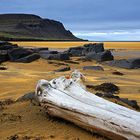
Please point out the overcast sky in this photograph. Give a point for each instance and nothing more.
(89, 19)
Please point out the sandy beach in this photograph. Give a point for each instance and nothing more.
(28, 120)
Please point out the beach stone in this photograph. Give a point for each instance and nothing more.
(18, 53)
(27, 96)
(132, 63)
(3, 56)
(29, 58)
(37, 50)
(93, 68)
(76, 51)
(100, 57)
(58, 56)
(85, 49)
(3, 68)
(99, 94)
(117, 73)
(63, 69)
(132, 103)
(96, 47)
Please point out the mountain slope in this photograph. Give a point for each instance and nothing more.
(32, 27)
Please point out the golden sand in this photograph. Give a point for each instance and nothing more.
(22, 78)
(108, 45)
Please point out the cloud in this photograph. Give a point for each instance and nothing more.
(82, 15)
(123, 35)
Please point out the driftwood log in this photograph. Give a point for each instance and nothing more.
(66, 98)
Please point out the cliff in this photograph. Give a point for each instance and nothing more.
(32, 27)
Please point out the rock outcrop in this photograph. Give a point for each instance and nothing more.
(92, 51)
(132, 63)
(32, 27)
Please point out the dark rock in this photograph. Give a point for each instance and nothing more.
(8, 47)
(108, 95)
(117, 73)
(58, 56)
(3, 56)
(26, 97)
(29, 58)
(100, 57)
(96, 47)
(99, 94)
(45, 54)
(3, 68)
(63, 69)
(93, 68)
(76, 51)
(90, 86)
(107, 88)
(18, 53)
(71, 62)
(132, 103)
(128, 64)
(85, 49)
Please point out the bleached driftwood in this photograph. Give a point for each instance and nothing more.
(67, 98)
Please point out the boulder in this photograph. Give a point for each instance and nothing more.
(96, 47)
(8, 47)
(99, 94)
(46, 53)
(100, 57)
(85, 49)
(93, 68)
(128, 64)
(18, 53)
(63, 69)
(132, 103)
(3, 56)
(2, 43)
(3, 68)
(58, 56)
(76, 51)
(28, 59)
(26, 97)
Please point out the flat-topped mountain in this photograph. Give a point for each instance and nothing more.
(32, 27)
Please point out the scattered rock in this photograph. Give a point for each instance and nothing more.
(90, 86)
(29, 58)
(85, 49)
(3, 56)
(57, 63)
(7, 102)
(117, 73)
(133, 63)
(63, 69)
(4, 117)
(99, 94)
(105, 87)
(20, 137)
(44, 54)
(3, 68)
(58, 56)
(93, 68)
(75, 51)
(18, 53)
(71, 62)
(132, 103)
(26, 97)
(100, 57)
(96, 47)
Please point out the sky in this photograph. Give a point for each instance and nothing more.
(97, 20)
